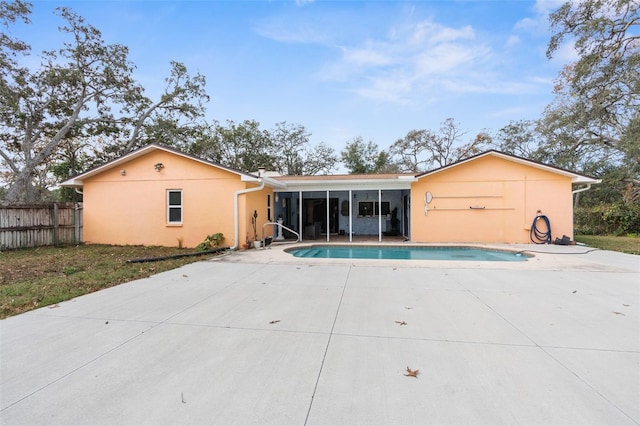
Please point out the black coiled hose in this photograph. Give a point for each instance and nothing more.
(537, 236)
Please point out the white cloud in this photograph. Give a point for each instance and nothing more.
(409, 59)
(286, 30)
(565, 53)
(448, 57)
(490, 86)
(539, 22)
(366, 56)
(391, 88)
(413, 61)
(433, 33)
(512, 41)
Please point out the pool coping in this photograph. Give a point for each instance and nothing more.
(525, 253)
(546, 257)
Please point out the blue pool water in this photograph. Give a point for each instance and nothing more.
(408, 252)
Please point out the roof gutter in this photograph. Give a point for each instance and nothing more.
(236, 231)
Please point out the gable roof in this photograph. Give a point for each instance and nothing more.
(77, 181)
(334, 182)
(576, 178)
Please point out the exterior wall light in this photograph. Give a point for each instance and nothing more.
(158, 166)
(123, 172)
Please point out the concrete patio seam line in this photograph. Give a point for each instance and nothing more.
(326, 349)
(78, 368)
(105, 318)
(557, 361)
(590, 386)
(153, 325)
(227, 327)
(473, 342)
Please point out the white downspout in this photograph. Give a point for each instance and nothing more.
(588, 187)
(236, 230)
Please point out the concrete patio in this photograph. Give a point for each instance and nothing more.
(263, 338)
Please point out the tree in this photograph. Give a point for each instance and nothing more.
(411, 150)
(521, 138)
(361, 158)
(294, 154)
(445, 147)
(174, 118)
(242, 146)
(10, 12)
(39, 109)
(321, 159)
(420, 150)
(598, 97)
(83, 90)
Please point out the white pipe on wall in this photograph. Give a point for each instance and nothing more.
(236, 230)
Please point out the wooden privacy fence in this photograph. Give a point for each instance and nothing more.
(36, 225)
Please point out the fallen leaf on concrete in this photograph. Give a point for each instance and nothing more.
(406, 307)
(401, 322)
(412, 373)
(625, 305)
(274, 322)
(54, 306)
(574, 291)
(184, 276)
(619, 313)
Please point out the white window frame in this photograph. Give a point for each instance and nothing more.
(375, 208)
(174, 206)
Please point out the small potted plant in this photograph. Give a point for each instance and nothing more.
(254, 223)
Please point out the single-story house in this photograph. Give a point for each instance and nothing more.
(161, 196)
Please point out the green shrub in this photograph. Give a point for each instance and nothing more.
(211, 242)
(606, 219)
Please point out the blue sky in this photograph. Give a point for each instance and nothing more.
(340, 68)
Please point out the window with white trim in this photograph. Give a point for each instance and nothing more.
(174, 206)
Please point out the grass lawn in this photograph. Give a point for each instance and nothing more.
(32, 278)
(608, 242)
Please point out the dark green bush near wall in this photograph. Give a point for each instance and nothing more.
(607, 219)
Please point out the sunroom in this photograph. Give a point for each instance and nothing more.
(344, 206)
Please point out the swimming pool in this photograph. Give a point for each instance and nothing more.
(407, 253)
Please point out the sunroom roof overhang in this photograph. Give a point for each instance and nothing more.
(300, 185)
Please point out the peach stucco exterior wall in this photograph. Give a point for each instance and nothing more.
(506, 197)
(132, 209)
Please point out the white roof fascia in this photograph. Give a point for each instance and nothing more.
(575, 177)
(347, 184)
(77, 180)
